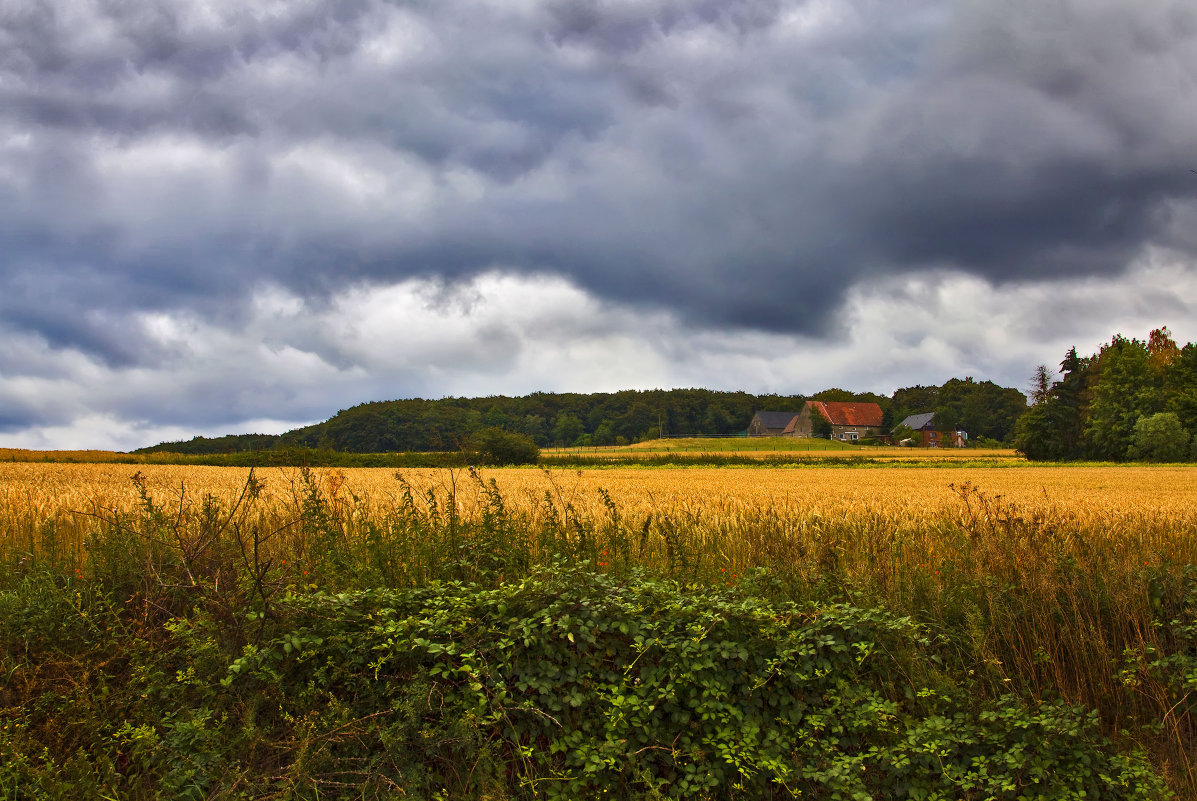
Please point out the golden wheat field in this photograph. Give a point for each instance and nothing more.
(1152, 501)
(49, 489)
(787, 448)
(56, 488)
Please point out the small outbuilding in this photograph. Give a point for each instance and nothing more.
(772, 424)
(929, 436)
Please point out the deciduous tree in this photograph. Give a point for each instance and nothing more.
(1159, 438)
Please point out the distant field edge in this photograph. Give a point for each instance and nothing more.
(579, 458)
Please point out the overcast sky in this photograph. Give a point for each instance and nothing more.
(219, 216)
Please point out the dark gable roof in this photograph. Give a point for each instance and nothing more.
(850, 414)
(917, 421)
(775, 419)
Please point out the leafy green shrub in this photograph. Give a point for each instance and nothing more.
(573, 684)
(494, 446)
(567, 684)
(986, 442)
(1159, 438)
(902, 432)
(820, 426)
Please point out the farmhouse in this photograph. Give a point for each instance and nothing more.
(849, 421)
(931, 437)
(772, 424)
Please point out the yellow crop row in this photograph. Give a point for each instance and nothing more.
(1100, 491)
(1151, 498)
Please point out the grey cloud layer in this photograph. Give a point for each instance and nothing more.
(742, 163)
(289, 363)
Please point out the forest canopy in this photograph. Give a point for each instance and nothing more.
(1133, 399)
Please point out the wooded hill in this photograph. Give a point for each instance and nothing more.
(982, 408)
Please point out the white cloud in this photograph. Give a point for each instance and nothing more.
(291, 363)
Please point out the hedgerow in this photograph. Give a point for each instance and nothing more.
(565, 684)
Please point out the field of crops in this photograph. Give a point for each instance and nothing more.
(785, 451)
(1033, 586)
(797, 448)
(903, 496)
(1146, 514)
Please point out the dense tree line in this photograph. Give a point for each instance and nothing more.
(548, 418)
(230, 443)
(982, 408)
(613, 418)
(1133, 399)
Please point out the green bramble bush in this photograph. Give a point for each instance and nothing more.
(494, 446)
(566, 684)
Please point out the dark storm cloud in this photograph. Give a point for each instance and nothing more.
(740, 163)
(18, 419)
(619, 28)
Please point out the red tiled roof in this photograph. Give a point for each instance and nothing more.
(850, 414)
